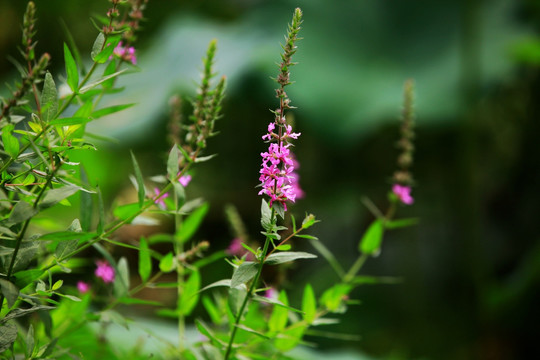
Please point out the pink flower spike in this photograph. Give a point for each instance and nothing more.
(83, 287)
(104, 271)
(184, 180)
(235, 247)
(160, 200)
(403, 193)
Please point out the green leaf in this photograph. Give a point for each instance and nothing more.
(10, 292)
(30, 342)
(364, 279)
(289, 338)
(49, 99)
(212, 310)
(309, 221)
(284, 247)
(54, 196)
(266, 216)
(101, 212)
(57, 285)
(145, 262)
(8, 335)
(70, 121)
(135, 301)
(309, 304)
(282, 257)
(167, 263)
(280, 315)
(371, 241)
(172, 164)
(65, 248)
(22, 211)
(71, 70)
(127, 211)
(110, 110)
(121, 282)
(267, 300)
(252, 331)
(109, 70)
(11, 144)
(191, 223)
(190, 295)
(395, 224)
(333, 297)
(309, 237)
(236, 298)
(223, 282)
(141, 192)
(98, 46)
(87, 205)
(206, 331)
(104, 79)
(104, 55)
(25, 277)
(244, 273)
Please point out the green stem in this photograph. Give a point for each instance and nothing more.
(355, 268)
(179, 249)
(249, 294)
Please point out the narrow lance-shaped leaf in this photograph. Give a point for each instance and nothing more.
(104, 55)
(278, 319)
(110, 110)
(49, 99)
(309, 304)
(286, 256)
(190, 295)
(191, 224)
(266, 216)
(140, 183)
(371, 241)
(71, 70)
(145, 262)
(172, 163)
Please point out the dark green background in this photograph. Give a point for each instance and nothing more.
(471, 267)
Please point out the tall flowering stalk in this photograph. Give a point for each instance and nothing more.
(278, 179)
(402, 177)
(276, 176)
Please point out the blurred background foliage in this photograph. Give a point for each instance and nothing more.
(471, 267)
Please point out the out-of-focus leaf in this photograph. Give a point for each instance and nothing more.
(110, 110)
(145, 262)
(121, 282)
(236, 298)
(190, 294)
(70, 121)
(172, 163)
(309, 304)
(371, 241)
(71, 70)
(141, 192)
(191, 223)
(279, 317)
(167, 263)
(127, 211)
(399, 223)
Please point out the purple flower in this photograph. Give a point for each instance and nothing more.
(125, 53)
(83, 287)
(271, 294)
(277, 169)
(160, 200)
(403, 193)
(184, 180)
(104, 271)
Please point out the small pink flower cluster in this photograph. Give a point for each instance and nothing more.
(104, 271)
(125, 53)
(403, 193)
(278, 179)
